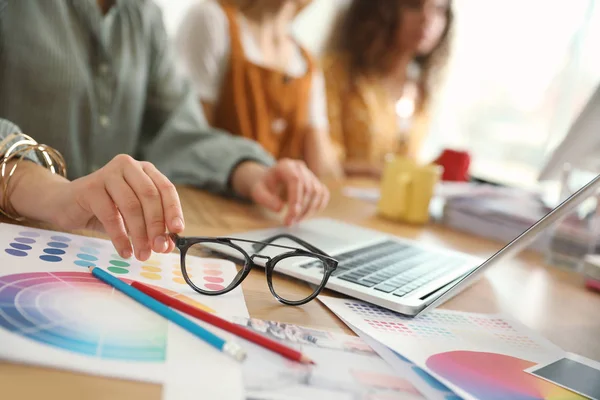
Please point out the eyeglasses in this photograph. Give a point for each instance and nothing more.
(210, 279)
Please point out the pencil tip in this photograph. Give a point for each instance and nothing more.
(306, 360)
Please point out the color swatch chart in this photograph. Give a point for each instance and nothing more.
(479, 356)
(56, 313)
(78, 251)
(37, 249)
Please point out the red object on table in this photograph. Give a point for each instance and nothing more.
(592, 284)
(230, 327)
(456, 165)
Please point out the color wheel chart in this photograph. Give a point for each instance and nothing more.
(54, 312)
(479, 356)
(75, 311)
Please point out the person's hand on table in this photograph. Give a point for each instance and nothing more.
(288, 182)
(125, 198)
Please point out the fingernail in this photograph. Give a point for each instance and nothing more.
(160, 244)
(177, 223)
(297, 208)
(144, 255)
(126, 253)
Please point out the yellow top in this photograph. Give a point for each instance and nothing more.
(362, 117)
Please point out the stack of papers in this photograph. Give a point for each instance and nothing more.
(500, 214)
(503, 214)
(443, 190)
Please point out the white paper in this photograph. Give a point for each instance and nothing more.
(367, 194)
(346, 367)
(454, 346)
(443, 190)
(196, 370)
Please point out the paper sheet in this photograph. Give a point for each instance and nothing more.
(430, 387)
(346, 367)
(368, 194)
(475, 355)
(443, 190)
(54, 313)
(196, 371)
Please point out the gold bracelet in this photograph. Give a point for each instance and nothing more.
(49, 157)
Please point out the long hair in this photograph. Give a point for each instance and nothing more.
(367, 33)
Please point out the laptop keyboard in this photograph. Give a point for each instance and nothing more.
(392, 267)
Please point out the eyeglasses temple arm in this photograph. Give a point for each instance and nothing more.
(260, 246)
(175, 238)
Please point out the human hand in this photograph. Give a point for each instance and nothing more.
(126, 198)
(287, 182)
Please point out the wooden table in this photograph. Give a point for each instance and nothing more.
(549, 300)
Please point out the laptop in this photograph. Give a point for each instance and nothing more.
(390, 271)
(398, 274)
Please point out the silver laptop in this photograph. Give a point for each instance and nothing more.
(389, 271)
(395, 273)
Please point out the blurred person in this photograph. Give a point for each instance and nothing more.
(381, 60)
(95, 80)
(255, 80)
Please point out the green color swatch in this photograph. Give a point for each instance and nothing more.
(118, 263)
(118, 270)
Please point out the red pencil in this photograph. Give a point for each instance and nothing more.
(236, 329)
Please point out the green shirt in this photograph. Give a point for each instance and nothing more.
(93, 86)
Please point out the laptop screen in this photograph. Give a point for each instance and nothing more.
(517, 244)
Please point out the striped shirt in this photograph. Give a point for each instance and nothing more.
(93, 86)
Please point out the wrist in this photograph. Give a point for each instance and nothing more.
(55, 209)
(35, 193)
(245, 176)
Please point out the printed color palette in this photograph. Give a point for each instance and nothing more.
(442, 326)
(22, 244)
(84, 252)
(495, 376)
(75, 311)
(478, 356)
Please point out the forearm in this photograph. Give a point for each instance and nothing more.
(320, 155)
(244, 176)
(30, 189)
(29, 185)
